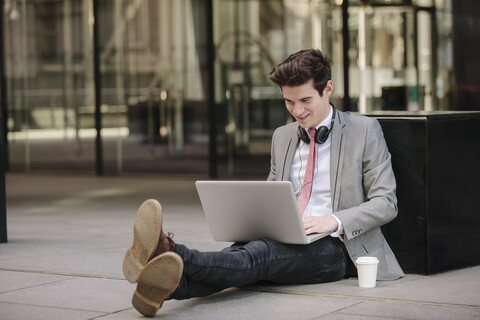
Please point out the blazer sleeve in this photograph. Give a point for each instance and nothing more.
(369, 199)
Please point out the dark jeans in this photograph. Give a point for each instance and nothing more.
(243, 264)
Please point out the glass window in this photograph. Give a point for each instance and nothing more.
(50, 89)
(152, 57)
(251, 37)
(153, 64)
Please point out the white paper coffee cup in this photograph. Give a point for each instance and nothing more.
(367, 271)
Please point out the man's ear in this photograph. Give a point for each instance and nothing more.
(328, 88)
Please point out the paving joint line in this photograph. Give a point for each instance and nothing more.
(342, 296)
(63, 274)
(103, 313)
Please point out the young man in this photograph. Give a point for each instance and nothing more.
(340, 168)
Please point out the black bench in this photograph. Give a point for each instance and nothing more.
(436, 161)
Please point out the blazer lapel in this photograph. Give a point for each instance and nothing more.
(291, 144)
(337, 155)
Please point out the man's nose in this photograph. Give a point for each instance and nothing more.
(297, 109)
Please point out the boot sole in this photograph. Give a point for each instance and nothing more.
(158, 280)
(146, 232)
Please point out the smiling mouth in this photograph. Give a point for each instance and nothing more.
(302, 118)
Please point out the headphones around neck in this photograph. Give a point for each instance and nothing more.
(321, 134)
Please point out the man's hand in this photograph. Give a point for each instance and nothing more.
(319, 224)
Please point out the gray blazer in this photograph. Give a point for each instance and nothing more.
(361, 180)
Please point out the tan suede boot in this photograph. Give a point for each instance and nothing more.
(149, 240)
(157, 281)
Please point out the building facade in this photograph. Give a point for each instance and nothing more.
(181, 86)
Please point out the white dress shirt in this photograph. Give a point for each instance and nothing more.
(320, 203)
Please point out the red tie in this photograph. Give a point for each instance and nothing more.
(306, 190)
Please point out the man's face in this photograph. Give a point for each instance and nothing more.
(305, 103)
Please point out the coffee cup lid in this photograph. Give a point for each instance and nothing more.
(366, 260)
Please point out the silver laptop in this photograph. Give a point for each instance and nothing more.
(241, 211)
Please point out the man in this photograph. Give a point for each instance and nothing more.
(341, 172)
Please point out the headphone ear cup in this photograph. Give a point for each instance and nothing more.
(321, 135)
(302, 135)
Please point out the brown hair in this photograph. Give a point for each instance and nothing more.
(302, 66)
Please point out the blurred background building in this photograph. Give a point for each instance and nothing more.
(181, 87)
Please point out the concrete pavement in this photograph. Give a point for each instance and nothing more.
(68, 234)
